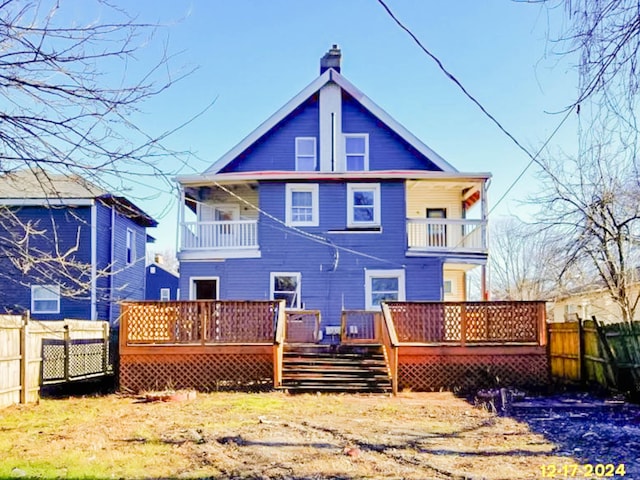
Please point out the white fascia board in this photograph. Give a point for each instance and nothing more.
(36, 202)
(271, 122)
(394, 125)
(239, 177)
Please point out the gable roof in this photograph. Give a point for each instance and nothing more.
(39, 187)
(328, 76)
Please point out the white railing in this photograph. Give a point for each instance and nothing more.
(220, 235)
(446, 234)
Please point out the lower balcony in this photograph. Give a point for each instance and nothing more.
(219, 239)
(446, 235)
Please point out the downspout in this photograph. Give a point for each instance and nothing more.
(94, 259)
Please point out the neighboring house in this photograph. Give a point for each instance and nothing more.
(593, 302)
(161, 283)
(331, 204)
(68, 249)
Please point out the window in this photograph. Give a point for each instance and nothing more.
(286, 286)
(305, 154)
(448, 286)
(131, 246)
(383, 285)
(204, 288)
(45, 299)
(165, 294)
(356, 148)
(152, 270)
(302, 205)
(363, 205)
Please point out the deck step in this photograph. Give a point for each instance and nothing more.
(343, 368)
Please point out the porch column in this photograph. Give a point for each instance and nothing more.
(181, 205)
(484, 274)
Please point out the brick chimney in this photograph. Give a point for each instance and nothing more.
(331, 59)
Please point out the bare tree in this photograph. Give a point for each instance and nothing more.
(591, 205)
(68, 101)
(524, 262)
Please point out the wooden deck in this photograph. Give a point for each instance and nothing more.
(427, 345)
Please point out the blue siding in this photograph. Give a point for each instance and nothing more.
(68, 226)
(387, 151)
(128, 280)
(158, 279)
(276, 150)
(330, 278)
(103, 257)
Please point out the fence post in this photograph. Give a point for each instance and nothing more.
(582, 370)
(24, 358)
(67, 351)
(105, 347)
(463, 324)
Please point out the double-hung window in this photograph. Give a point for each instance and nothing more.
(306, 154)
(381, 285)
(363, 205)
(131, 246)
(45, 299)
(356, 149)
(302, 205)
(165, 294)
(286, 286)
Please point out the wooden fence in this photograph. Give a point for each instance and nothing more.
(35, 353)
(588, 352)
(203, 344)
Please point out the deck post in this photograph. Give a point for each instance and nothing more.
(67, 351)
(463, 324)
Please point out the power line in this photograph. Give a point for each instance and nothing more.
(450, 76)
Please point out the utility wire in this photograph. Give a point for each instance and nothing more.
(450, 76)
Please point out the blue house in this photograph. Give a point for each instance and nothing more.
(68, 249)
(161, 283)
(332, 205)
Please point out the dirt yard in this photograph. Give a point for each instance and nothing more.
(276, 436)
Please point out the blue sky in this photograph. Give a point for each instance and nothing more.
(252, 56)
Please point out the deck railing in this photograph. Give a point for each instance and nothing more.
(198, 322)
(469, 322)
(446, 234)
(303, 326)
(389, 339)
(220, 235)
(360, 326)
(278, 344)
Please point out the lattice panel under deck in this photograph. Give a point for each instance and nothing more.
(202, 372)
(433, 372)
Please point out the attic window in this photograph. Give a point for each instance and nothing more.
(356, 148)
(305, 154)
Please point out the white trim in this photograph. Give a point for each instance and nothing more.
(27, 202)
(369, 274)
(164, 291)
(273, 275)
(315, 154)
(111, 266)
(54, 289)
(330, 125)
(235, 177)
(192, 285)
(130, 245)
(94, 262)
(315, 207)
(353, 187)
(217, 255)
(366, 151)
(329, 76)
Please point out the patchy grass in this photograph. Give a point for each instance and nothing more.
(269, 436)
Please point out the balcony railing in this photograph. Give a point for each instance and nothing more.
(447, 234)
(237, 234)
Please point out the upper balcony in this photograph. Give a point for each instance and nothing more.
(446, 235)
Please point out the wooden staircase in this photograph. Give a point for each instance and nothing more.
(335, 368)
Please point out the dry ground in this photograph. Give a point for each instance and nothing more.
(269, 436)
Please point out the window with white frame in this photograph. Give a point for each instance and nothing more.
(131, 246)
(165, 294)
(302, 205)
(286, 286)
(356, 149)
(45, 299)
(381, 285)
(363, 205)
(305, 154)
